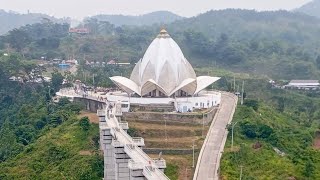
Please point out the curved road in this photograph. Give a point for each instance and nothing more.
(210, 154)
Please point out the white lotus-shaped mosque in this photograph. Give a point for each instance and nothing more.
(163, 71)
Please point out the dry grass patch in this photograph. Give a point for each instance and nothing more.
(85, 153)
(92, 116)
(175, 136)
(184, 162)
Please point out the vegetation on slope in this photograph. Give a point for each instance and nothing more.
(158, 17)
(69, 151)
(40, 139)
(280, 119)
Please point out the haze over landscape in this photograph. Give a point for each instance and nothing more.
(217, 89)
(79, 9)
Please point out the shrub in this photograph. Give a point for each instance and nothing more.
(252, 103)
(84, 123)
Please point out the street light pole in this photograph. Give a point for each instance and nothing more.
(232, 135)
(193, 154)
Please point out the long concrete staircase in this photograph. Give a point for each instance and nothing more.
(123, 156)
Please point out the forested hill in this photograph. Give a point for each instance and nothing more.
(280, 43)
(158, 17)
(277, 44)
(312, 8)
(11, 20)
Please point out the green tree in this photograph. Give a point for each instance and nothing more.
(8, 143)
(57, 80)
(84, 123)
(252, 103)
(309, 169)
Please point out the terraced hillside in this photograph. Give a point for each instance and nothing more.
(175, 141)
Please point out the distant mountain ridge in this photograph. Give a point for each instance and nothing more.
(11, 20)
(158, 17)
(312, 8)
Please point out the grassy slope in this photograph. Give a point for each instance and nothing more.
(56, 155)
(179, 136)
(265, 163)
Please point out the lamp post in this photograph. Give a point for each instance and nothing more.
(232, 135)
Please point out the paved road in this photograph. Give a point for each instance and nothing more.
(210, 154)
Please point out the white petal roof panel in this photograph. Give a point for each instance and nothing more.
(205, 81)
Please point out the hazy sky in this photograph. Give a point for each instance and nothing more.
(81, 8)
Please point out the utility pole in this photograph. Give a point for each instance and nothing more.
(234, 83)
(93, 79)
(241, 172)
(193, 154)
(232, 135)
(165, 130)
(49, 92)
(242, 92)
(202, 125)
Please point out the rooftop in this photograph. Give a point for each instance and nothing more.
(304, 81)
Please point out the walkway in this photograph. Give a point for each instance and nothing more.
(211, 151)
(138, 158)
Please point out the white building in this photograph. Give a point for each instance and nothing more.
(164, 76)
(304, 84)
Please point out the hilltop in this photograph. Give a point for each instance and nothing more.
(11, 20)
(312, 8)
(278, 44)
(158, 17)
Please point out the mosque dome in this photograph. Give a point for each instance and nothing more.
(163, 71)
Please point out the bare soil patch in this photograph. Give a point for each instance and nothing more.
(85, 153)
(92, 116)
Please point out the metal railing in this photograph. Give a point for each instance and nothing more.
(161, 163)
(139, 141)
(151, 172)
(139, 159)
(116, 143)
(124, 125)
(135, 165)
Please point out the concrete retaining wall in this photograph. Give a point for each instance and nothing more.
(190, 118)
(169, 151)
(91, 105)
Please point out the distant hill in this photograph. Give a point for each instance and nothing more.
(312, 8)
(11, 20)
(159, 17)
(278, 44)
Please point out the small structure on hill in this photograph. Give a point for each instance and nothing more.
(79, 31)
(303, 84)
